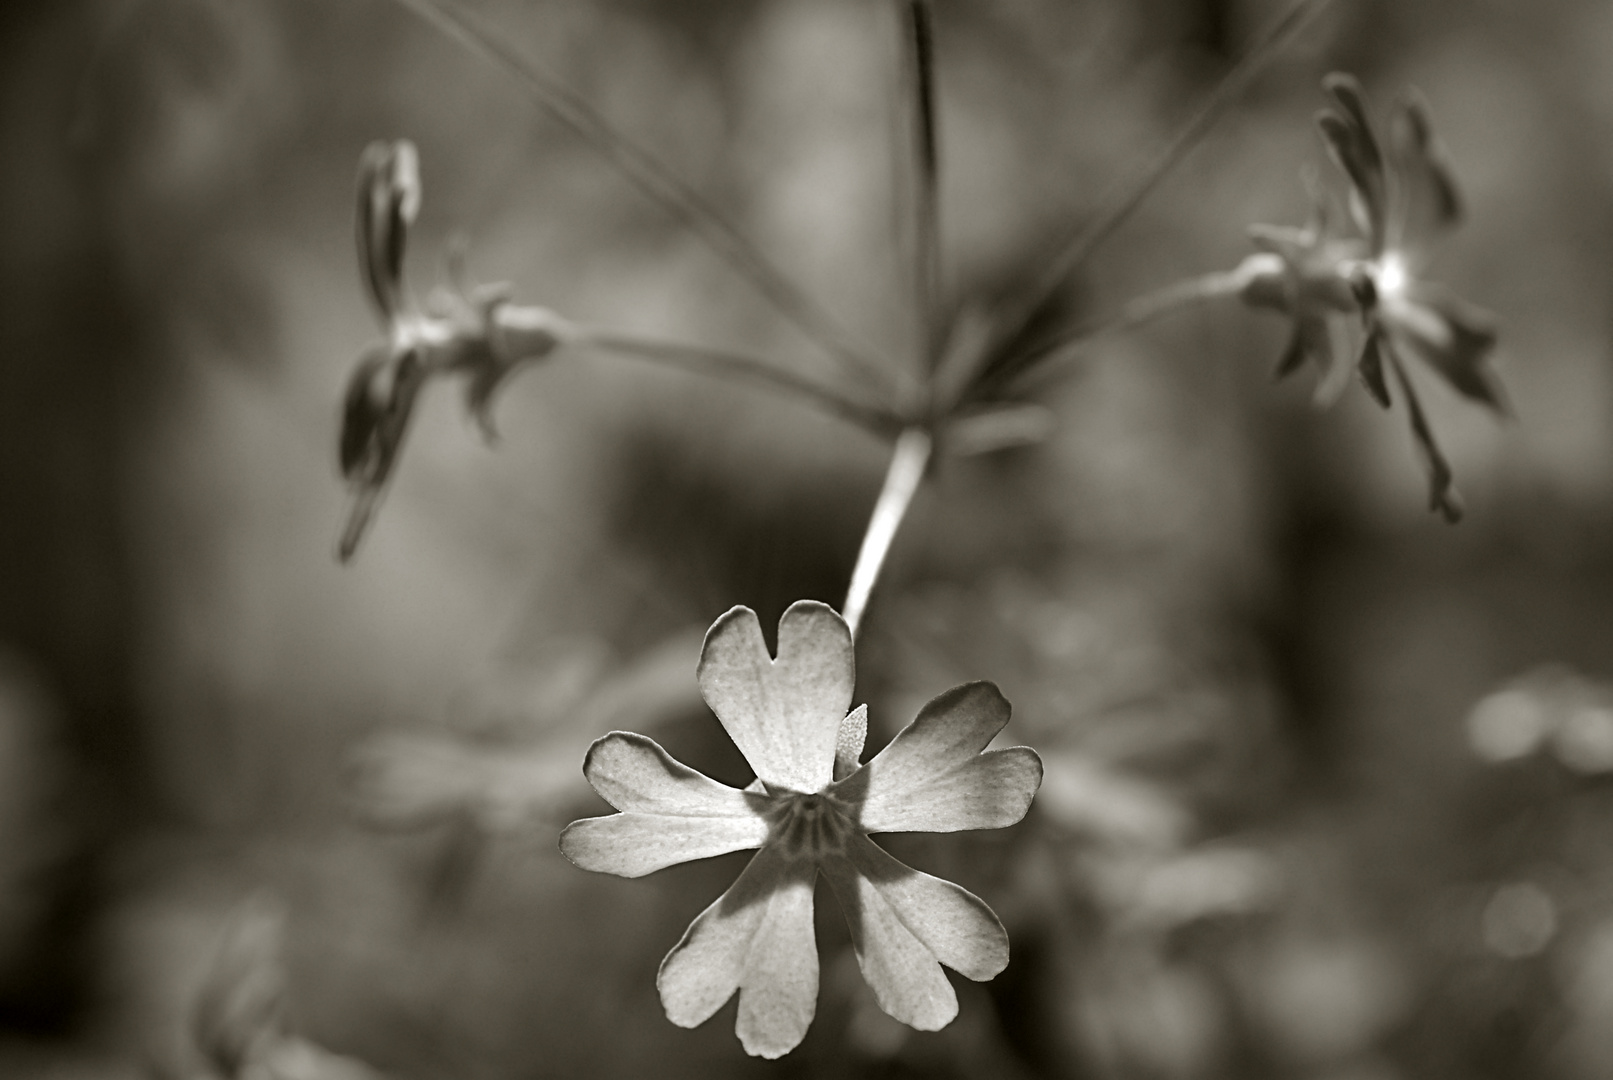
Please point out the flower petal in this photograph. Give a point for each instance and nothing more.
(783, 714)
(849, 742)
(1370, 368)
(388, 200)
(905, 924)
(632, 844)
(757, 938)
(1442, 494)
(1354, 147)
(1430, 202)
(1451, 336)
(632, 772)
(933, 778)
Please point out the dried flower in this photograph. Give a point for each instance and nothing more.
(1400, 202)
(477, 332)
(811, 809)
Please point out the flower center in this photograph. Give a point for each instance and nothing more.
(1391, 276)
(810, 825)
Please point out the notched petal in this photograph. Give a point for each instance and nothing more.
(757, 938)
(633, 773)
(933, 777)
(784, 714)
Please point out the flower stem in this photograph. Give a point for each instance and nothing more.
(657, 183)
(719, 364)
(1044, 364)
(1119, 203)
(908, 462)
(919, 36)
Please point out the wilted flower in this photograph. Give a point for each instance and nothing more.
(811, 809)
(1401, 202)
(479, 333)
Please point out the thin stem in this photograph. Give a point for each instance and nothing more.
(908, 462)
(919, 38)
(1122, 199)
(719, 364)
(1053, 354)
(656, 182)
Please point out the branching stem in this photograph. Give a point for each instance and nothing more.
(1122, 200)
(1051, 357)
(658, 183)
(908, 463)
(720, 364)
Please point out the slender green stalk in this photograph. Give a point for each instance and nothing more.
(720, 364)
(1123, 199)
(908, 462)
(656, 182)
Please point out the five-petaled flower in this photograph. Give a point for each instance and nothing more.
(810, 810)
(478, 333)
(1401, 201)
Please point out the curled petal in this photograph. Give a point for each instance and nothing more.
(388, 200)
(757, 939)
(633, 773)
(905, 924)
(631, 845)
(784, 714)
(1350, 137)
(934, 778)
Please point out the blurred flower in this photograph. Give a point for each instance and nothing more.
(477, 332)
(1400, 203)
(811, 809)
(238, 1024)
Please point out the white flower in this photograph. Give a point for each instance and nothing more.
(810, 810)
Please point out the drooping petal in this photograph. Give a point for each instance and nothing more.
(1451, 336)
(631, 844)
(757, 938)
(1442, 494)
(933, 777)
(632, 772)
(375, 418)
(1370, 367)
(784, 714)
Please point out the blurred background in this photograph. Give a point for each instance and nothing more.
(1327, 788)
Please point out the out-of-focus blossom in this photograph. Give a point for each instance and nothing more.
(477, 332)
(811, 809)
(238, 1022)
(1403, 198)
